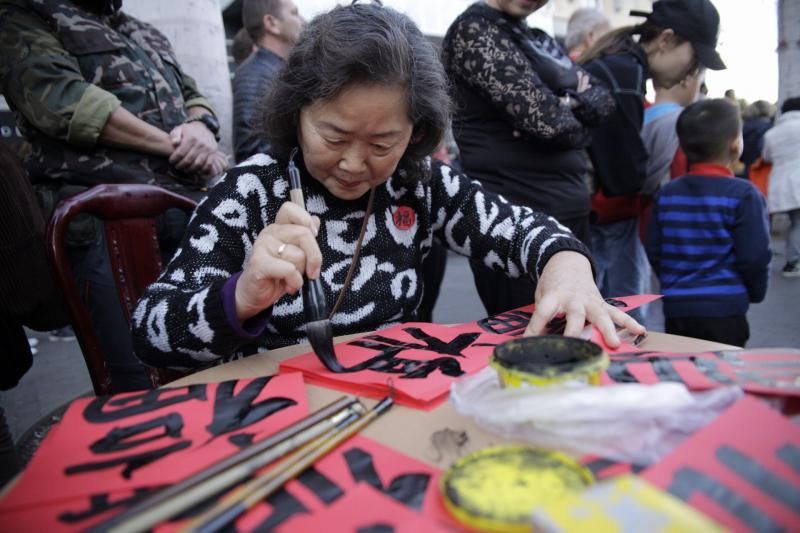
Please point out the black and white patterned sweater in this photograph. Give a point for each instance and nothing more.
(181, 321)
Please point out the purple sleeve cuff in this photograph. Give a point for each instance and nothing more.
(251, 328)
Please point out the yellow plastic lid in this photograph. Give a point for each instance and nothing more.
(496, 489)
(548, 360)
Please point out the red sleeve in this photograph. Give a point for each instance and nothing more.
(679, 166)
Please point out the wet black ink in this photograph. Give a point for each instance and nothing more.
(387, 361)
(710, 369)
(600, 468)
(790, 455)
(408, 489)
(131, 462)
(325, 489)
(284, 506)
(242, 440)
(233, 412)
(759, 476)
(543, 354)
(686, 481)
(120, 438)
(618, 372)
(102, 503)
(665, 371)
(508, 323)
(137, 403)
(662, 366)
(376, 528)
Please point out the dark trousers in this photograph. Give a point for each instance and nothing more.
(9, 460)
(91, 267)
(432, 275)
(728, 329)
(499, 293)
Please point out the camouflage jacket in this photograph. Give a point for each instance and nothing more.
(65, 71)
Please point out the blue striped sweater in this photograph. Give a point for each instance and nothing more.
(708, 242)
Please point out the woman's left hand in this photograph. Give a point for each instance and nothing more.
(567, 287)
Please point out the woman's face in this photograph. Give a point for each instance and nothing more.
(354, 141)
(671, 63)
(517, 8)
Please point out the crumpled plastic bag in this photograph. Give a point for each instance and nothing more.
(628, 422)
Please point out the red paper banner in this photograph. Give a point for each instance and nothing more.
(402, 483)
(742, 470)
(365, 509)
(418, 360)
(515, 321)
(760, 371)
(111, 449)
(603, 468)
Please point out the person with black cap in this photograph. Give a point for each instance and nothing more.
(675, 40)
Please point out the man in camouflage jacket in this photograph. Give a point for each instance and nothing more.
(100, 97)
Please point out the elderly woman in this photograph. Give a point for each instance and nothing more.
(360, 104)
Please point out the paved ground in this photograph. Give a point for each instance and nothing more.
(59, 373)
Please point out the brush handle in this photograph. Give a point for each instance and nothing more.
(261, 487)
(175, 499)
(295, 186)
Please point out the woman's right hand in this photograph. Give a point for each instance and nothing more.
(282, 253)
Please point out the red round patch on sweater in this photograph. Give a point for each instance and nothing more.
(404, 217)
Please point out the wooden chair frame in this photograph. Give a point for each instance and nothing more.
(128, 214)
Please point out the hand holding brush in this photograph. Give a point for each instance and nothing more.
(284, 253)
(315, 308)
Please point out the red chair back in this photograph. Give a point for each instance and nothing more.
(128, 213)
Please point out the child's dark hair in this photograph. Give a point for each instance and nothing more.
(791, 104)
(361, 44)
(707, 128)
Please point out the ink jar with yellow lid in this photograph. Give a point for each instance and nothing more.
(548, 360)
(496, 489)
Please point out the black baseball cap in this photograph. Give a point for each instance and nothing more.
(695, 20)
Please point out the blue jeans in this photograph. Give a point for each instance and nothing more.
(620, 259)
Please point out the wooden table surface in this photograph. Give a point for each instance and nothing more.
(437, 437)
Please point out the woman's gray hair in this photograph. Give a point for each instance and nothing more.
(361, 44)
(581, 22)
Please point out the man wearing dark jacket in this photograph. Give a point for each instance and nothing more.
(274, 26)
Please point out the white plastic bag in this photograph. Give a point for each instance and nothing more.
(632, 423)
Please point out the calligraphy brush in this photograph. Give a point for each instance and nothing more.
(315, 308)
(175, 499)
(243, 499)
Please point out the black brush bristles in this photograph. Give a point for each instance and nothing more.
(318, 327)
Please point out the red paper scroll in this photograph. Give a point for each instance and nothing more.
(742, 470)
(110, 449)
(761, 371)
(410, 483)
(365, 509)
(420, 360)
(515, 321)
(402, 490)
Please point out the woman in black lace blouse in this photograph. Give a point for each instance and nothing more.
(522, 117)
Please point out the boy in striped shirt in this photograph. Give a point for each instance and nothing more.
(708, 238)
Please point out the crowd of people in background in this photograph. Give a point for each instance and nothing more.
(578, 167)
